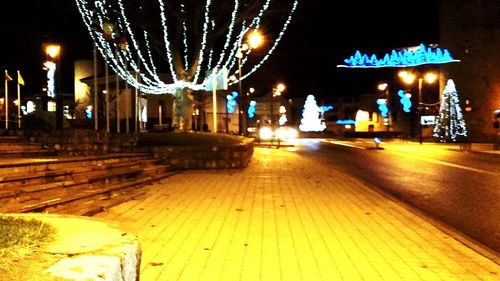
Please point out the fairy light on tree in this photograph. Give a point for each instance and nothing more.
(451, 123)
(175, 45)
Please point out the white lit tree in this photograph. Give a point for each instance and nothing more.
(311, 121)
(172, 47)
(450, 124)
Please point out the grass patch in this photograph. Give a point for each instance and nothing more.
(189, 138)
(19, 238)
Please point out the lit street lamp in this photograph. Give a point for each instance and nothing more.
(254, 40)
(277, 91)
(53, 52)
(409, 78)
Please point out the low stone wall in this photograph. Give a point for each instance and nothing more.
(204, 156)
(87, 142)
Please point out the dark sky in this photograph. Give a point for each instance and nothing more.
(318, 39)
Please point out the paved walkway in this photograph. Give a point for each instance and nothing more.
(287, 217)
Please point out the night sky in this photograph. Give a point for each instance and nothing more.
(318, 39)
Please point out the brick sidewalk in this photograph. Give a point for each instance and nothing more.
(287, 217)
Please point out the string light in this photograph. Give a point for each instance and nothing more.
(192, 74)
(451, 123)
(405, 58)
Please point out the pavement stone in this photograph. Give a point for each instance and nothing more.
(288, 217)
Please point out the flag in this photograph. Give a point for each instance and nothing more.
(20, 79)
(7, 77)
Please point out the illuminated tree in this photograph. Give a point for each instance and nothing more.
(311, 121)
(173, 46)
(450, 124)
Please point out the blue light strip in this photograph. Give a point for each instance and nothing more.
(406, 58)
(346, 122)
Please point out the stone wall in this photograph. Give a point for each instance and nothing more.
(204, 156)
(87, 142)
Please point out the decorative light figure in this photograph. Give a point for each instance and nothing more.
(231, 102)
(310, 117)
(282, 121)
(382, 106)
(451, 123)
(251, 109)
(405, 100)
(51, 71)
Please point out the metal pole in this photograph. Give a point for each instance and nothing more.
(388, 109)
(117, 82)
(6, 102)
(227, 118)
(96, 95)
(214, 100)
(18, 102)
(240, 98)
(107, 98)
(128, 105)
(419, 109)
(272, 105)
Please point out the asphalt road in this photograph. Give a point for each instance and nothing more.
(459, 189)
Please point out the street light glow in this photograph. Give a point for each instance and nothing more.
(53, 50)
(281, 87)
(255, 39)
(407, 77)
(430, 77)
(382, 86)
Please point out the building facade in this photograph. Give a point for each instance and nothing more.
(471, 31)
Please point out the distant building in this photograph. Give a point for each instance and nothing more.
(135, 111)
(471, 31)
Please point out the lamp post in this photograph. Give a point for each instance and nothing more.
(409, 78)
(254, 40)
(53, 51)
(277, 91)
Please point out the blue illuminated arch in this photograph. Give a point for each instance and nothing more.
(406, 58)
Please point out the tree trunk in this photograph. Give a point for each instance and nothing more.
(182, 110)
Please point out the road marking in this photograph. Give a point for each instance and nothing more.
(449, 164)
(346, 144)
(430, 160)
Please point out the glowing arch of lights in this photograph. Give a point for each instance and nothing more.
(406, 58)
(128, 51)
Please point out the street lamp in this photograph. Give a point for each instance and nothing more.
(254, 40)
(277, 91)
(409, 78)
(53, 52)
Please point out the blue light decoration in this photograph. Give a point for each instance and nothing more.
(382, 106)
(231, 102)
(405, 100)
(346, 122)
(406, 58)
(326, 108)
(251, 109)
(88, 112)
